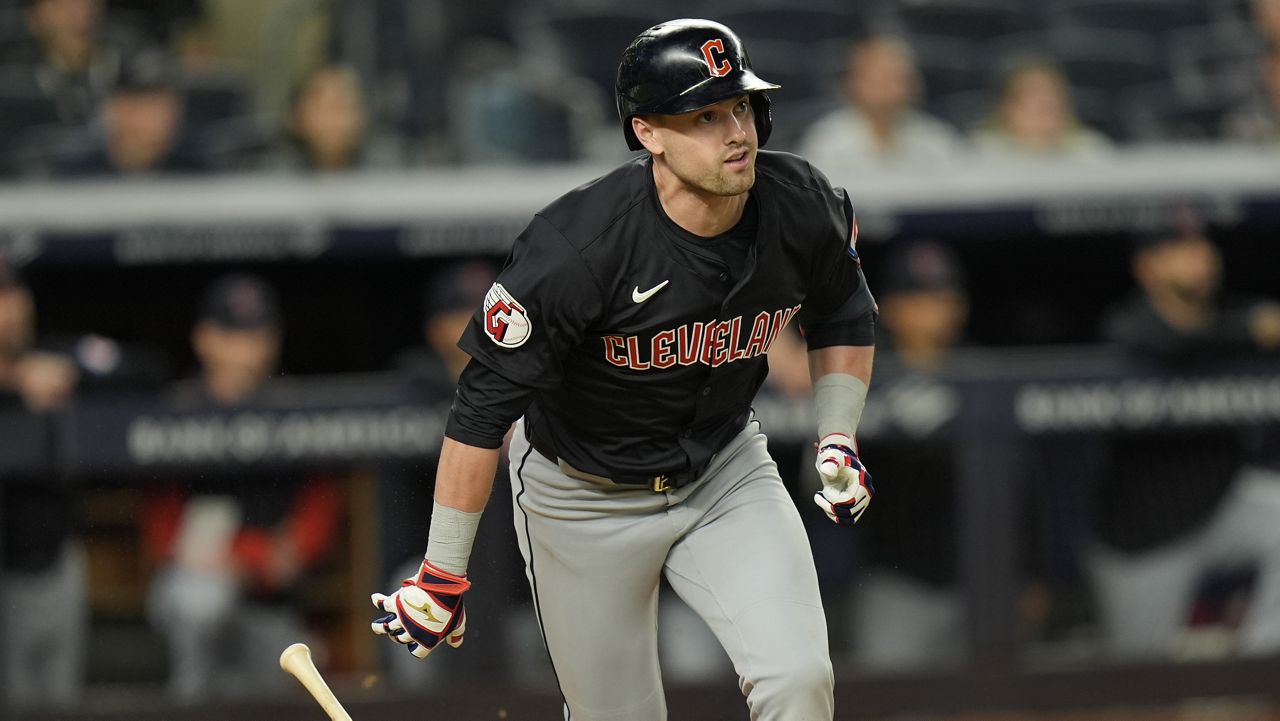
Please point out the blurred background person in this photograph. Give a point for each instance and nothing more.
(1257, 120)
(880, 125)
(234, 547)
(1035, 118)
(1175, 507)
(45, 590)
(449, 299)
(329, 128)
(70, 56)
(54, 75)
(908, 612)
(142, 126)
(1265, 15)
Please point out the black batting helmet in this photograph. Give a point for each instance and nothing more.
(683, 65)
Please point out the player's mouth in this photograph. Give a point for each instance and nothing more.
(739, 160)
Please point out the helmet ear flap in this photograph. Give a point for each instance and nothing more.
(762, 107)
(633, 143)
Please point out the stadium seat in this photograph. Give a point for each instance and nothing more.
(1161, 113)
(803, 70)
(505, 107)
(1214, 62)
(1108, 61)
(22, 106)
(807, 23)
(1147, 16)
(971, 19)
(591, 43)
(949, 65)
(211, 98)
(966, 110)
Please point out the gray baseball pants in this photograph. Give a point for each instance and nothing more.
(1145, 598)
(731, 545)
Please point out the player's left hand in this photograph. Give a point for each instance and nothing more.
(425, 611)
(846, 483)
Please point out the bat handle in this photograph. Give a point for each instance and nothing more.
(296, 659)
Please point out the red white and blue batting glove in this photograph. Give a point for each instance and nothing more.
(425, 611)
(846, 483)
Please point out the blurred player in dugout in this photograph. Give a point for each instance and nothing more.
(46, 588)
(907, 609)
(44, 564)
(232, 546)
(1175, 509)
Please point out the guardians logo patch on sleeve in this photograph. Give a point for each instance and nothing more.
(506, 322)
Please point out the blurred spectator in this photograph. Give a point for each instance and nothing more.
(141, 128)
(1266, 21)
(1171, 508)
(234, 548)
(53, 78)
(880, 126)
(908, 611)
(45, 592)
(328, 129)
(72, 57)
(1034, 118)
(1258, 120)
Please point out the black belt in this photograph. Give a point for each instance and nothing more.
(660, 483)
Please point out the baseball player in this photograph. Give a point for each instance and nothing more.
(626, 337)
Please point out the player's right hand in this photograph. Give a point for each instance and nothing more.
(425, 611)
(846, 483)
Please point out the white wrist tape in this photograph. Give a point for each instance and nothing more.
(838, 399)
(451, 537)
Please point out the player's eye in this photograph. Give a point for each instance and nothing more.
(741, 107)
(707, 117)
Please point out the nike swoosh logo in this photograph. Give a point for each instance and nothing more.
(639, 297)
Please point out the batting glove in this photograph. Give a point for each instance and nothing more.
(425, 611)
(846, 484)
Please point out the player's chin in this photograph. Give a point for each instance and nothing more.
(736, 183)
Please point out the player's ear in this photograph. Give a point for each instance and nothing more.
(647, 133)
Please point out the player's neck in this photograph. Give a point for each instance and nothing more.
(699, 212)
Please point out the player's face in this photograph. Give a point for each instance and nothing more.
(1192, 268)
(711, 150)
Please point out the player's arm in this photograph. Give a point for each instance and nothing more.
(464, 476)
(428, 608)
(532, 317)
(850, 360)
(841, 355)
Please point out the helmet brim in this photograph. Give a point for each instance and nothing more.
(711, 91)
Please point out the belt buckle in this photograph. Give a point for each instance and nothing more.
(660, 484)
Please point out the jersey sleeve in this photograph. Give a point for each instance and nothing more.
(838, 292)
(536, 311)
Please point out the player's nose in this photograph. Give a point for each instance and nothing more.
(737, 131)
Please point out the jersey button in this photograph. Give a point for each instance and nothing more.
(686, 433)
(724, 277)
(706, 390)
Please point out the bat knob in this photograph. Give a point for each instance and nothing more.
(292, 651)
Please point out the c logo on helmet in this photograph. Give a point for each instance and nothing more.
(718, 69)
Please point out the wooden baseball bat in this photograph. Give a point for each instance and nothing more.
(297, 660)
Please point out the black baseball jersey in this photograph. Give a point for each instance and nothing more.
(638, 358)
